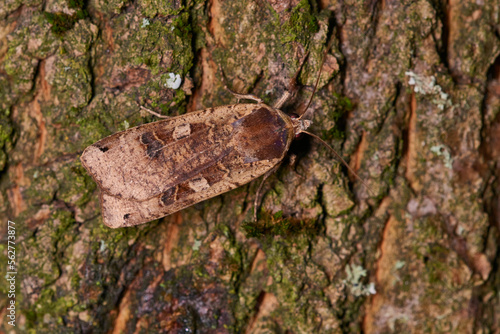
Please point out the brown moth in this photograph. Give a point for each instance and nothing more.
(153, 170)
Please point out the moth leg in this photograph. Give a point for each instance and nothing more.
(239, 96)
(292, 85)
(257, 195)
(245, 96)
(154, 113)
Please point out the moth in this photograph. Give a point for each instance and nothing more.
(153, 170)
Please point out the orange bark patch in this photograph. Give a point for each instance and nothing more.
(411, 153)
(383, 275)
(171, 240)
(357, 157)
(123, 314)
(268, 303)
(36, 113)
(16, 200)
(208, 81)
(214, 25)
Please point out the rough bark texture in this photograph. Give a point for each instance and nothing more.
(409, 95)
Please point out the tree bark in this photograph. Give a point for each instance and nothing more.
(409, 95)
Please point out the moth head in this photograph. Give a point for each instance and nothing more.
(300, 125)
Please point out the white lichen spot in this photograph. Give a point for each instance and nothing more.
(102, 247)
(145, 23)
(196, 245)
(399, 264)
(126, 125)
(174, 81)
(427, 86)
(443, 151)
(353, 281)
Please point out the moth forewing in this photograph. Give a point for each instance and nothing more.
(153, 170)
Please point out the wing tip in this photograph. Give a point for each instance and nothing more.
(116, 214)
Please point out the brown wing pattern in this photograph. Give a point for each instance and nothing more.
(159, 168)
(137, 163)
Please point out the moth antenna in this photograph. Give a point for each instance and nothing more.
(342, 160)
(295, 77)
(238, 96)
(315, 86)
(304, 113)
(154, 113)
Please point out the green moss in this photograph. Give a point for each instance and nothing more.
(43, 185)
(110, 7)
(278, 215)
(79, 41)
(342, 105)
(71, 69)
(6, 133)
(435, 264)
(406, 282)
(285, 244)
(62, 221)
(269, 226)
(200, 271)
(52, 304)
(164, 49)
(287, 267)
(44, 259)
(152, 8)
(181, 26)
(301, 25)
(76, 186)
(76, 4)
(101, 119)
(61, 22)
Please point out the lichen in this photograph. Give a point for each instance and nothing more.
(427, 86)
(173, 81)
(353, 281)
(443, 151)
